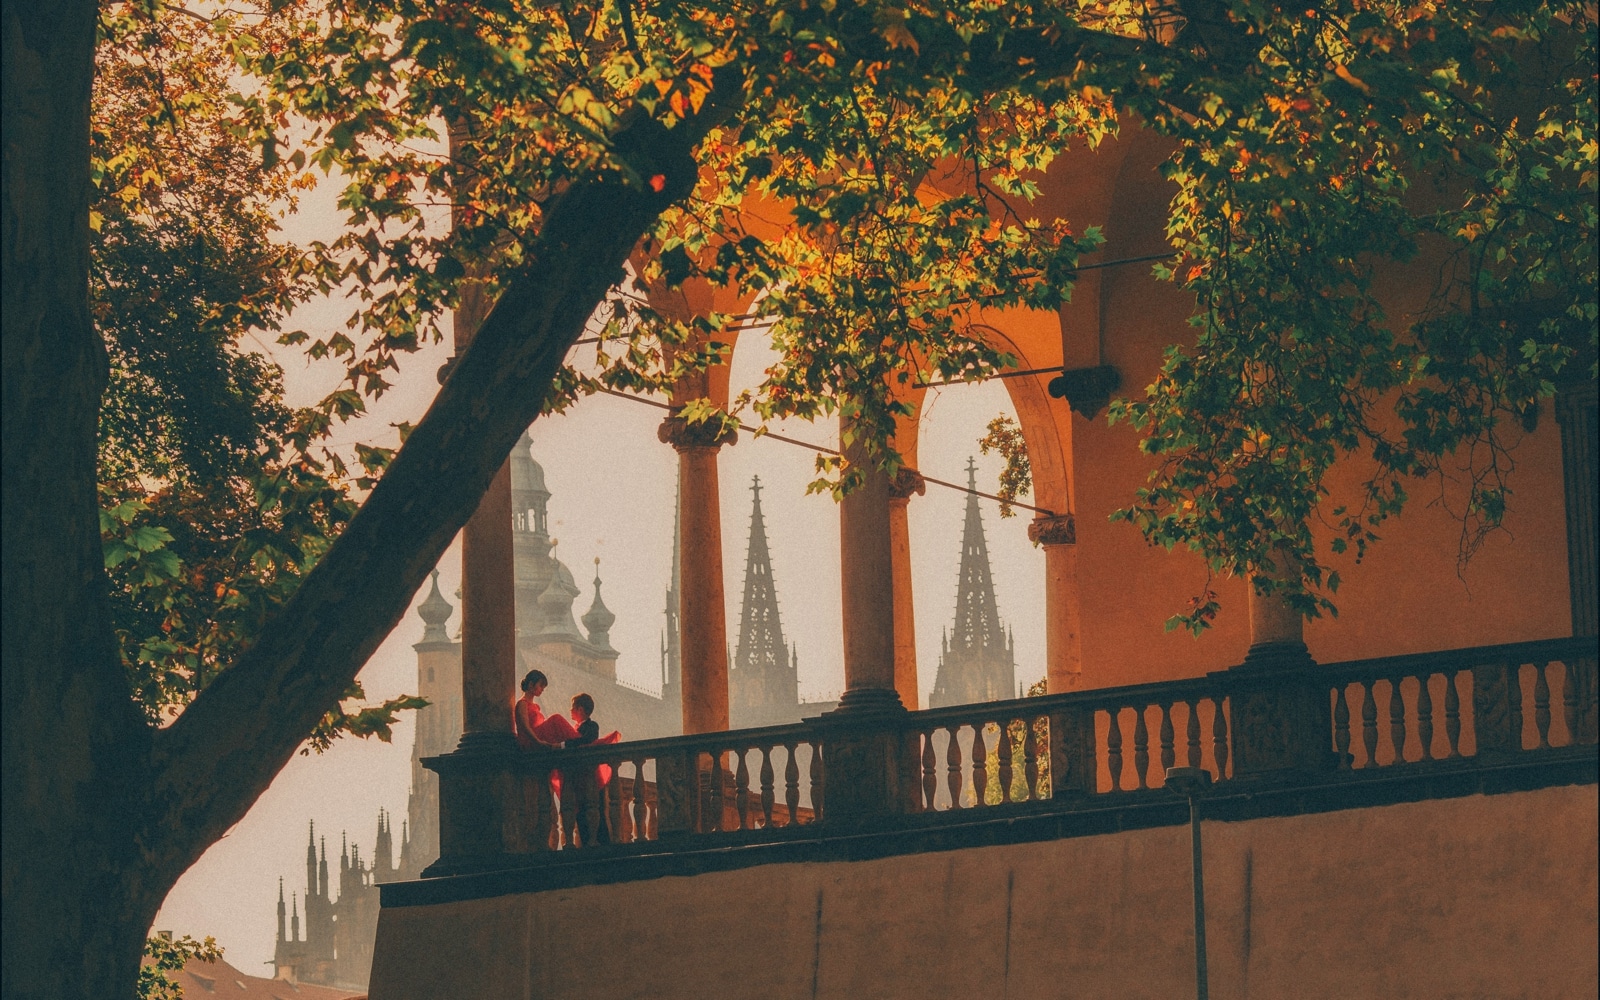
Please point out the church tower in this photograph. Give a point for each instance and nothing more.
(977, 663)
(762, 685)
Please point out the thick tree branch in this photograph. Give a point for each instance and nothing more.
(219, 756)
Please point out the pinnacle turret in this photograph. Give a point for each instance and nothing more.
(434, 612)
(599, 619)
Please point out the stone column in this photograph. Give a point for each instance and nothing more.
(901, 489)
(870, 763)
(702, 616)
(488, 621)
(488, 586)
(1277, 631)
(866, 571)
(1063, 608)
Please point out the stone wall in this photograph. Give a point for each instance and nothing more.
(1482, 896)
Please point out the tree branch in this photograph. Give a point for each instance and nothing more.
(213, 763)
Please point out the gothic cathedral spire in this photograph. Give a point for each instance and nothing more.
(763, 679)
(977, 663)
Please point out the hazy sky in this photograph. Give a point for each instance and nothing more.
(612, 493)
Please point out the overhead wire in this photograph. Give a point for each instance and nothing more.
(757, 432)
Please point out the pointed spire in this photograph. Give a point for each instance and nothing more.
(599, 619)
(977, 662)
(295, 925)
(434, 612)
(762, 680)
(323, 887)
(280, 912)
(311, 860)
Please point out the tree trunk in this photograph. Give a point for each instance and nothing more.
(75, 751)
(102, 814)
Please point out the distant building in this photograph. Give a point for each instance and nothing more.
(763, 677)
(332, 943)
(976, 663)
(336, 947)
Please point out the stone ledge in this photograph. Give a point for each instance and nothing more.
(1232, 801)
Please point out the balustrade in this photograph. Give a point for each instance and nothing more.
(1048, 753)
(1450, 705)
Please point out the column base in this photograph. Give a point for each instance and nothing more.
(1263, 656)
(860, 701)
(482, 743)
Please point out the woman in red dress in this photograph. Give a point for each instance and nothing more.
(534, 728)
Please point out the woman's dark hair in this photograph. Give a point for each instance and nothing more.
(534, 677)
(584, 702)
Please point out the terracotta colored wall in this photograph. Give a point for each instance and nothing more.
(1471, 897)
(1407, 596)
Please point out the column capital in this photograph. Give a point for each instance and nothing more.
(905, 484)
(1053, 529)
(682, 435)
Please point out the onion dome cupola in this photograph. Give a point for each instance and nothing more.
(599, 619)
(555, 604)
(435, 611)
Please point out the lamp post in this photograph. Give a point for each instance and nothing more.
(1191, 781)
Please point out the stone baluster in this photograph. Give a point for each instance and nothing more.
(1141, 746)
(1425, 714)
(953, 775)
(1030, 756)
(1168, 755)
(817, 791)
(741, 786)
(1397, 720)
(1003, 752)
(1221, 747)
(1369, 724)
(1192, 733)
(980, 766)
(716, 801)
(1452, 712)
(767, 797)
(1541, 704)
(1114, 748)
(791, 782)
(641, 807)
(1341, 725)
(930, 768)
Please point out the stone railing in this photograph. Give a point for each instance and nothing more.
(1291, 725)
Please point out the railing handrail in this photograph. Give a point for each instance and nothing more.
(1212, 685)
(630, 750)
(1538, 650)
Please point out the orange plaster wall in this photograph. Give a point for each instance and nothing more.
(1471, 897)
(1407, 596)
